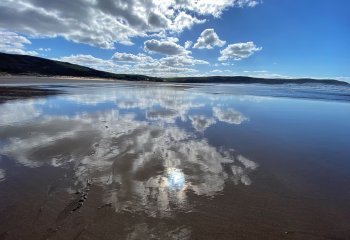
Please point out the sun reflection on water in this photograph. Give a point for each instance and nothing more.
(175, 179)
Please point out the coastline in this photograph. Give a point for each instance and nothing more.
(20, 79)
(232, 80)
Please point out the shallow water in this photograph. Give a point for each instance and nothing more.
(138, 161)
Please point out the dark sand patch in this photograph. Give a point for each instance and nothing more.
(14, 93)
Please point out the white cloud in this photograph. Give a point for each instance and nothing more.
(93, 62)
(14, 43)
(208, 39)
(171, 39)
(184, 21)
(256, 71)
(227, 64)
(180, 61)
(138, 64)
(176, 62)
(177, 65)
(128, 57)
(44, 49)
(248, 3)
(214, 8)
(239, 51)
(158, 69)
(101, 23)
(164, 47)
(221, 72)
(188, 44)
(265, 74)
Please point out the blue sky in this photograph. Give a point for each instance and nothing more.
(270, 38)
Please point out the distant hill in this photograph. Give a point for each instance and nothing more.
(29, 65)
(15, 64)
(251, 80)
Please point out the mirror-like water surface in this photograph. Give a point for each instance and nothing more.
(136, 161)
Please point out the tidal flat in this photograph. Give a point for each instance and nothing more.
(175, 161)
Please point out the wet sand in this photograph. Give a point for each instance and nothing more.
(132, 161)
(20, 79)
(15, 93)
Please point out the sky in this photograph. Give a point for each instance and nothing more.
(261, 38)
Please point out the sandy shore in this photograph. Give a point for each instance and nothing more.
(11, 79)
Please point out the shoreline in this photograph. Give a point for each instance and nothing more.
(40, 79)
(19, 79)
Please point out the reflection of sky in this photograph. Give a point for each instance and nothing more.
(2, 175)
(147, 140)
(62, 106)
(151, 149)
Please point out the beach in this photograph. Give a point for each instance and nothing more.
(133, 160)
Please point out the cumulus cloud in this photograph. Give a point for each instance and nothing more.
(157, 69)
(138, 64)
(248, 3)
(239, 51)
(214, 8)
(208, 39)
(227, 64)
(178, 65)
(92, 62)
(44, 49)
(171, 39)
(184, 21)
(188, 44)
(180, 61)
(216, 71)
(221, 72)
(14, 43)
(128, 57)
(101, 23)
(166, 47)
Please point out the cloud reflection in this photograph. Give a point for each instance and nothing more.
(145, 164)
(2, 175)
(19, 111)
(200, 122)
(229, 116)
